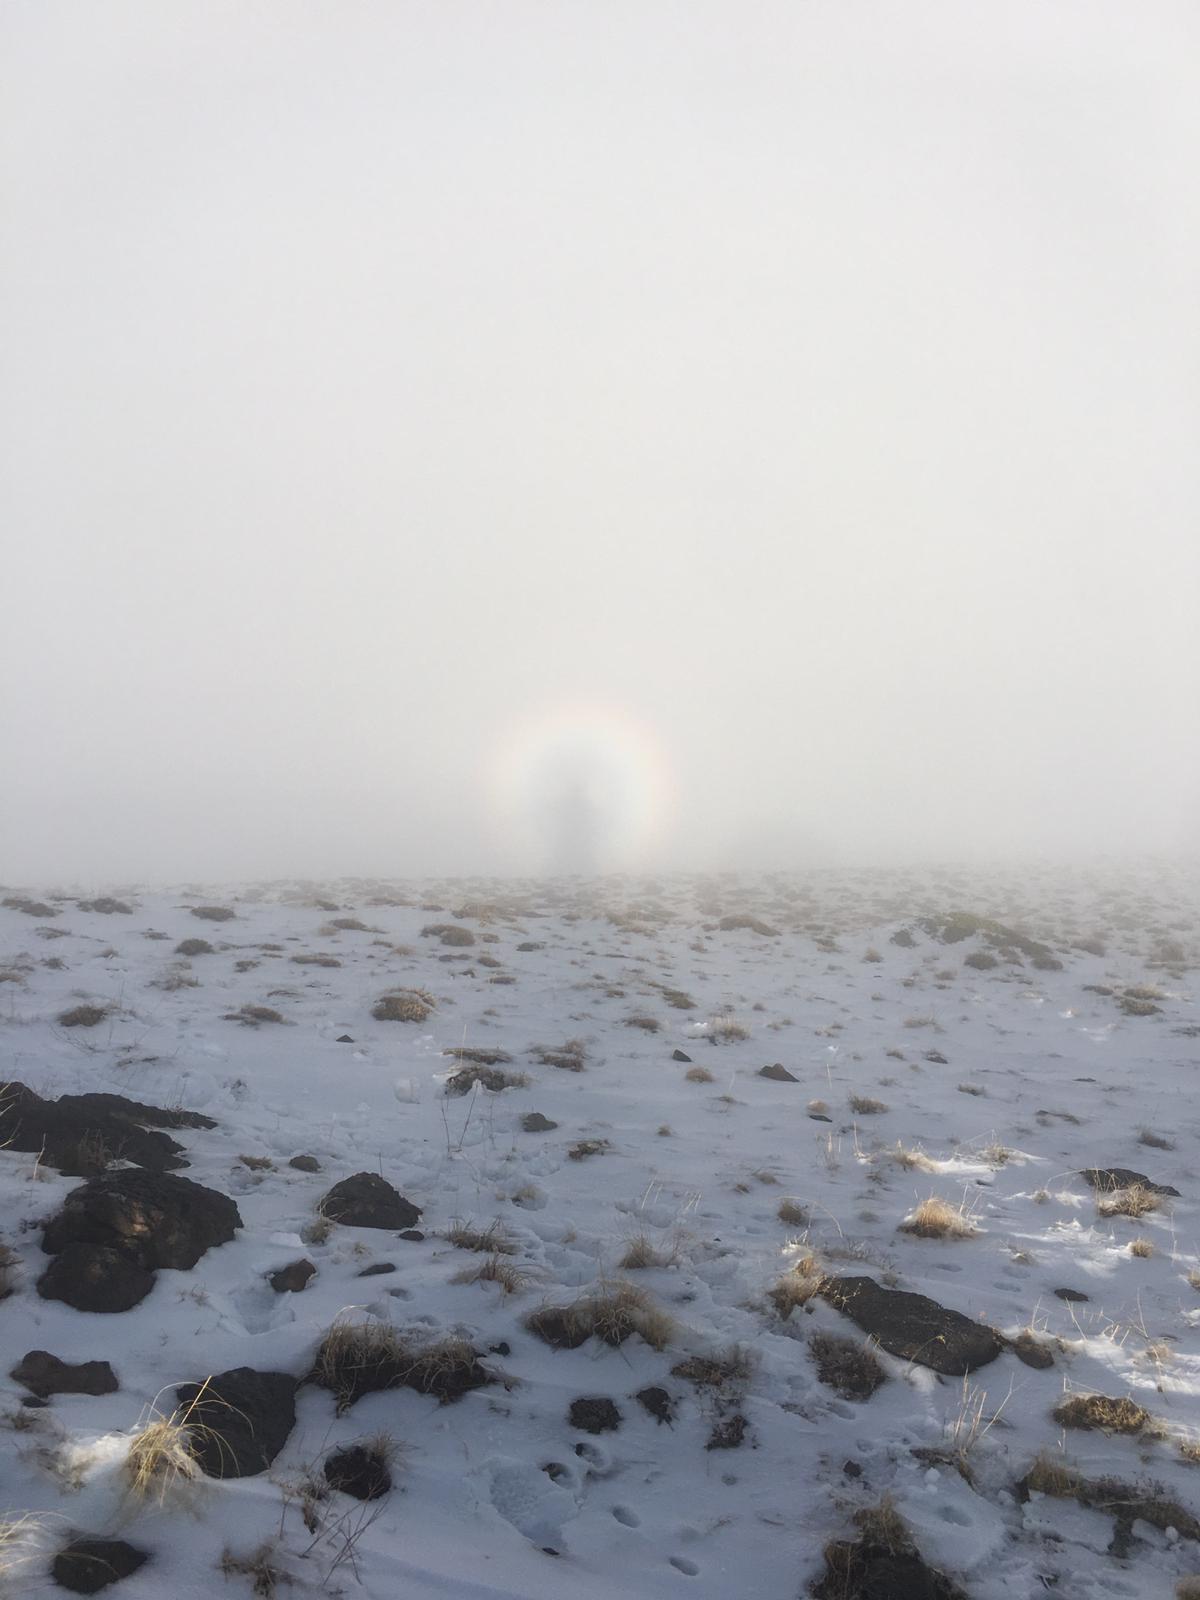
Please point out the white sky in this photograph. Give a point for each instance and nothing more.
(812, 386)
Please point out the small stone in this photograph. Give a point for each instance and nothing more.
(305, 1163)
(292, 1278)
(1073, 1296)
(413, 1235)
(680, 1055)
(777, 1073)
(535, 1122)
(378, 1269)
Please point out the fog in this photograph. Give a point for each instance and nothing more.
(464, 437)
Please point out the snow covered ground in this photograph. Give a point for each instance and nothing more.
(991, 1085)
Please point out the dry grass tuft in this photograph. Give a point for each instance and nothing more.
(727, 1030)
(403, 1005)
(83, 1016)
(645, 1023)
(797, 1287)
(357, 1358)
(259, 1566)
(1050, 1475)
(1141, 1247)
(699, 1075)
(491, 1240)
(793, 1213)
(847, 1366)
(492, 1078)
(935, 1218)
(912, 1160)
(611, 1313)
(1103, 1413)
(495, 1269)
(1136, 1201)
(160, 1455)
(1155, 1141)
(568, 1057)
(863, 1106)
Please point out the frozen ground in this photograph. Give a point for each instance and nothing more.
(994, 1087)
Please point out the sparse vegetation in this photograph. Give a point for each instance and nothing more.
(935, 1218)
(611, 1313)
(403, 1005)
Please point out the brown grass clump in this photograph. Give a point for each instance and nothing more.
(726, 1030)
(403, 1005)
(193, 947)
(612, 1313)
(1156, 1141)
(491, 1240)
(912, 1160)
(847, 1366)
(797, 1287)
(493, 1078)
(357, 1358)
(725, 1370)
(494, 1269)
(258, 1565)
(863, 1106)
(584, 1148)
(699, 1075)
(1103, 1413)
(83, 1016)
(793, 1213)
(448, 933)
(252, 1016)
(1050, 1475)
(645, 1023)
(160, 1454)
(1136, 1201)
(934, 1218)
(1141, 1247)
(568, 1057)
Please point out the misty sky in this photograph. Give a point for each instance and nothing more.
(465, 436)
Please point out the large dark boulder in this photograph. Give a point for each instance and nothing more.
(95, 1277)
(152, 1218)
(81, 1134)
(368, 1201)
(43, 1374)
(86, 1566)
(913, 1327)
(239, 1420)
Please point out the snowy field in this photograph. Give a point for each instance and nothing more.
(1000, 1043)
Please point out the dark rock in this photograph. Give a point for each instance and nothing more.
(1107, 1179)
(1032, 1352)
(818, 1116)
(413, 1235)
(241, 1419)
(937, 1058)
(377, 1269)
(777, 1073)
(658, 1403)
(305, 1163)
(680, 1055)
(81, 1134)
(368, 1201)
(913, 1327)
(95, 1277)
(343, 1038)
(535, 1122)
(86, 1566)
(852, 1469)
(44, 1374)
(1073, 1296)
(213, 913)
(358, 1471)
(530, 944)
(153, 1218)
(292, 1278)
(593, 1415)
